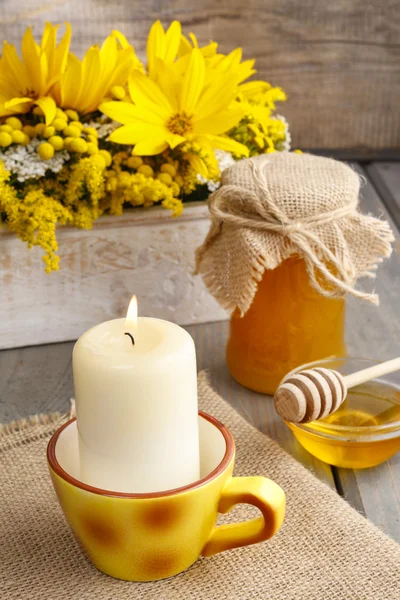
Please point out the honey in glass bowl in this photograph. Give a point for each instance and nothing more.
(365, 430)
(288, 323)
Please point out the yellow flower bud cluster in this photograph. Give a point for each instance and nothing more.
(66, 131)
(260, 137)
(161, 168)
(84, 190)
(142, 182)
(197, 160)
(33, 218)
(261, 130)
(11, 132)
(175, 169)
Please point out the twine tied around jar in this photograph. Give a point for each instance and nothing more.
(271, 207)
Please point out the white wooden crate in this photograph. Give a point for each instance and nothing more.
(144, 252)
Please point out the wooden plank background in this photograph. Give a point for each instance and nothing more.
(339, 62)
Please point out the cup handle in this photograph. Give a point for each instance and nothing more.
(261, 492)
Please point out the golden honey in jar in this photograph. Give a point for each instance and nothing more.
(289, 323)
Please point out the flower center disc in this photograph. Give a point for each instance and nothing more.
(180, 124)
(29, 93)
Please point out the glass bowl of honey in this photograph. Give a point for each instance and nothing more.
(365, 431)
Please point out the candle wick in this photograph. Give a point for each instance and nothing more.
(132, 338)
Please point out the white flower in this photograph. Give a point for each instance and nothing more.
(103, 129)
(288, 138)
(225, 159)
(25, 162)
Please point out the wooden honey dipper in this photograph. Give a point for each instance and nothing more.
(316, 393)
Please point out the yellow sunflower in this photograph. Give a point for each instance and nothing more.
(29, 81)
(86, 82)
(179, 107)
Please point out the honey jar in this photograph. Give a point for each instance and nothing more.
(286, 246)
(288, 323)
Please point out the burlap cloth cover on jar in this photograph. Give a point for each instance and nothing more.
(274, 206)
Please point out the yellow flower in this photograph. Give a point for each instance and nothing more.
(46, 151)
(177, 109)
(29, 81)
(86, 82)
(140, 189)
(261, 93)
(34, 217)
(260, 130)
(85, 178)
(5, 139)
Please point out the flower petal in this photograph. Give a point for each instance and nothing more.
(15, 106)
(174, 140)
(219, 122)
(108, 56)
(138, 132)
(13, 103)
(209, 50)
(147, 94)
(61, 53)
(123, 135)
(91, 75)
(155, 44)
(172, 41)
(122, 112)
(168, 81)
(216, 96)
(44, 73)
(71, 83)
(121, 38)
(184, 46)
(252, 88)
(49, 108)
(193, 83)
(48, 37)
(149, 148)
(126, 113)
(47, 48)
(13, 65)
(244, 70)
(31, 56)
(198, 165)
(229, 145)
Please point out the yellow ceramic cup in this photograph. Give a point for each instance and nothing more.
(144, 537)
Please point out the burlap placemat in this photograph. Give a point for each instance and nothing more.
(324, 551)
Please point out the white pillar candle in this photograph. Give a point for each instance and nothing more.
(136, 405)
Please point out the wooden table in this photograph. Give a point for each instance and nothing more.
(39, 379)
